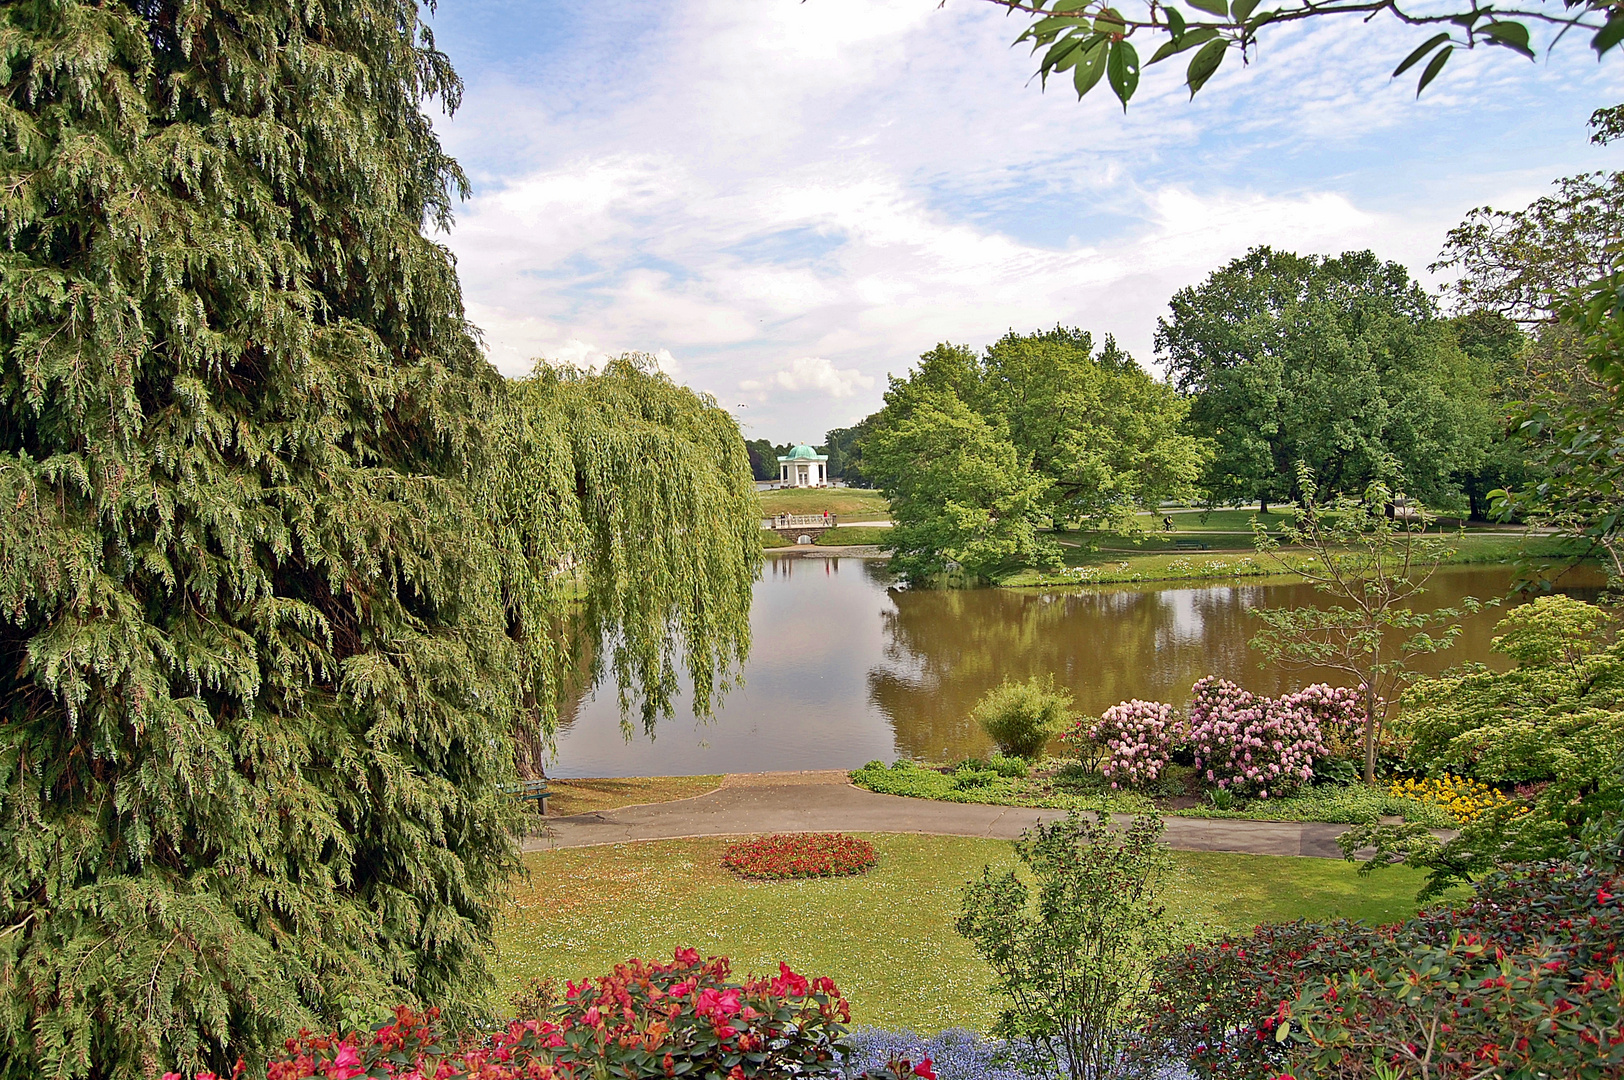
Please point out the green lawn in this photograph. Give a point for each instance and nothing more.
(853, 504)
(886, 938)
(854, 534)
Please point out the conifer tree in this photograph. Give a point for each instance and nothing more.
(255, 690)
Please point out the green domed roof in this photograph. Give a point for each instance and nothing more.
(803, 452)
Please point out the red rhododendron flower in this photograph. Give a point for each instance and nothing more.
(924, 1071)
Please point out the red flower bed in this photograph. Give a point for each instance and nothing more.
(686, 1018)
(799, 855)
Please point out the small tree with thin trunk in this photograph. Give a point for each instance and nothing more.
(1373, 556)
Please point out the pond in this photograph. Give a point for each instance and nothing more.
(845, 667)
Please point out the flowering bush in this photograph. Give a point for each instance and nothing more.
(1257, 745)
(800, 855)
(1465, 799)
(1523, 980)
(1241, 742)
(683, 1018)
(1139, 737)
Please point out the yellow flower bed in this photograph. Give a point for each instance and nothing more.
(1462, 796)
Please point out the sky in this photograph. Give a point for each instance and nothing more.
(786, 201)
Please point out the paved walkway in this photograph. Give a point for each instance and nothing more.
(826, 801)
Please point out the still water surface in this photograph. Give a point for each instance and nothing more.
(845, 667)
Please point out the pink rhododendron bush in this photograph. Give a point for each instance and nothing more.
(1241, 742)
(683, 1018)
(1255, 745)
(1139, 737)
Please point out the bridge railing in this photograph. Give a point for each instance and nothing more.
(798, 521)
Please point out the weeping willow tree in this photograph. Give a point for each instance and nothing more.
(272, 608)
(627, 513)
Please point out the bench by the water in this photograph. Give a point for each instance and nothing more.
(529, 789)
(1200, 545)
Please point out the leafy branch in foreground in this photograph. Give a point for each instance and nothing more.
(1091, 39)
(1373, 562)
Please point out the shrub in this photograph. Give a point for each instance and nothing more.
(800, 855)
(1521, 980)
(684, 1018)
(1259, 745)
(1244, 743)
(1139, 737)
(1072, 960)
(1558, 714)
(1021, 716)
(1216, 1007)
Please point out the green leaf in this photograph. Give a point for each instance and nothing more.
(1205, 63)
(1609, 35)
(1283, 1032)
(1513, 35)
(1415, 57)
(1212, 7)
(1110, 21)
(1090, 67)
(1062, 56)
(1123, 68)
(1240, 9)
(1434, 67)
(1199, 36)
(1175, 21)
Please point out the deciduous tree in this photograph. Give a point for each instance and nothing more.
(959, 492)
(1338, 362)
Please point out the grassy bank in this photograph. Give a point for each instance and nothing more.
(886, 938)
(1069, 786)
(584, 796)
(853, 504)
(1102, 565)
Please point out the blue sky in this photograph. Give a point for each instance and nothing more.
(786, 200)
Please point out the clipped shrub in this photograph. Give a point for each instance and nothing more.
(683, 1018)
(800, 855)
(1021, 716)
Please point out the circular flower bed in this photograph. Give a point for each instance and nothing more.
(799, 855)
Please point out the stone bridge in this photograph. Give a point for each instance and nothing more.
(793, 527)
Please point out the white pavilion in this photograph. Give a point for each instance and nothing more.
(803, 467)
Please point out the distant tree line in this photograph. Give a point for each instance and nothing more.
(1344, 364)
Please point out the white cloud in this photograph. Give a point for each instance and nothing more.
(851, 181)
(811, 373)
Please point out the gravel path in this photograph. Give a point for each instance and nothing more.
(749, 803)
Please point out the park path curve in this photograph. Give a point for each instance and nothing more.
(826, 801)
